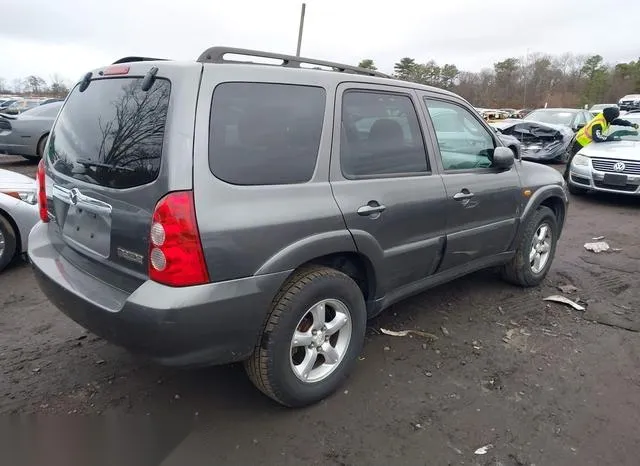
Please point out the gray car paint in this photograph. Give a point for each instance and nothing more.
(27, 129)
(255, 236)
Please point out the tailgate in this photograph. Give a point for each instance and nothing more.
(109, 160)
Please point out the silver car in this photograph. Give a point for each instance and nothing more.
(609, 166)
(18, 213)
(26, 134)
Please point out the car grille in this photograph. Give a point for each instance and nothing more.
(628, 188)
(606, 165)
(4, 124)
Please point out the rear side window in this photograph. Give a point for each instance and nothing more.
(265, 134)
(111, 134)
(380, 135)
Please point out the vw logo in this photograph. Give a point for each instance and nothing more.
(619, 166)
(73, 196)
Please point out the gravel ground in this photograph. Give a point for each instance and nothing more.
(540, 382)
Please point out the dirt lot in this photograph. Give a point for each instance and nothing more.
(542, 383)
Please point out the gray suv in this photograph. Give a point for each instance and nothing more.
(220, 210)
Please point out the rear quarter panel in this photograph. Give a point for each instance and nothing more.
(250, 230)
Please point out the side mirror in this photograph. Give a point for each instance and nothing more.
(503, 158)
(579, 126)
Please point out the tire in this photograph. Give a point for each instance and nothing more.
(520, 270)
(276, 365)
(7, 243)
(39, 149)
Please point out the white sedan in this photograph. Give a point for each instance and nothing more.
(18, 214)
(612, 166)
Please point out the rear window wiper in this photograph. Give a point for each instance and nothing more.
(89, 163)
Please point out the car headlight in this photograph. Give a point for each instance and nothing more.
(27, 196)
(581, 160)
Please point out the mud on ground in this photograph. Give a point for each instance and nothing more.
(536, 380)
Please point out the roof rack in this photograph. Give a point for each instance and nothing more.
(216, 55)
(132, 59)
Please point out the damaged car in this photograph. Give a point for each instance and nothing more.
(573, 118)
(612, 166)
(538, 142)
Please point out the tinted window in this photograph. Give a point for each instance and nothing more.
(463, 141)
(265, 134)
(111, 134)
(380, 135)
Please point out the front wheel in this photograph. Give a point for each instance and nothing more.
(312, 338)
(535, 251)
(7, 243)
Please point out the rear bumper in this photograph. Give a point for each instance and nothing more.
(201, 325)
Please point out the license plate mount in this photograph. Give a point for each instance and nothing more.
(615, 179)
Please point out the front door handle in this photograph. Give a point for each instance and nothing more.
(464, 194)
(371, 209)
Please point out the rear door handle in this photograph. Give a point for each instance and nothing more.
(371, 209)
(464, 194)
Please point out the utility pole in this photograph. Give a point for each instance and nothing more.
(524, 76)
(304, 7)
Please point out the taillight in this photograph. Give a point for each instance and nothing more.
(42, 192)
(175, 251)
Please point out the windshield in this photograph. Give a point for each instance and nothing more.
(111, 134)
(602, 106)
(554, 117)
(624, 133)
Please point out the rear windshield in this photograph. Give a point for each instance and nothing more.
(111, 134)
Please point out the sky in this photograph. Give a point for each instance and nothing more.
(71, 37)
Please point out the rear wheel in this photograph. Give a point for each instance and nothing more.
(7, 243)
(535, 251)
(312, 338)
(39, 149)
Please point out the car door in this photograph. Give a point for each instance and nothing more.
(482, 202)
(383, 182)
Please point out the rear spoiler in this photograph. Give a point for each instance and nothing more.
(134, 59)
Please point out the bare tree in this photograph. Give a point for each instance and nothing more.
(35, 84)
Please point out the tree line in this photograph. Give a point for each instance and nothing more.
(566, 80)
(35, 86)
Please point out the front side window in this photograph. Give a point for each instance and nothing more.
(464, 142)
(380, 135)
(265, 134)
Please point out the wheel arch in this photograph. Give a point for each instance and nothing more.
(554, 197)
(45, 135)
(16, 231)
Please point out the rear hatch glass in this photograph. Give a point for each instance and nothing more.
(111, 134)
(104, 159)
